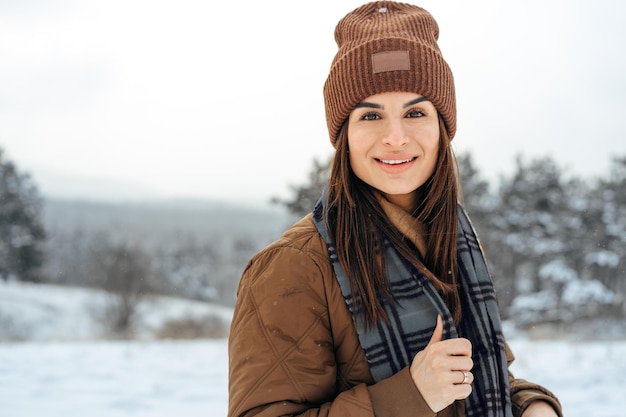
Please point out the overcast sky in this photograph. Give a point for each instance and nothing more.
(223, 100)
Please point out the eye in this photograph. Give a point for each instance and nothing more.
(415, 113)
(370, 116)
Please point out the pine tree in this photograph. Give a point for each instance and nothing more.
(21, 230)
(606, 257)
(306, 195)
(528, 224)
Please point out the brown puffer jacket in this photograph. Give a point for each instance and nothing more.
(293, 348)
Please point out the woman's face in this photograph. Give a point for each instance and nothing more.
(393, 140)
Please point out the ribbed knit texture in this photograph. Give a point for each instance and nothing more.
(384, 26)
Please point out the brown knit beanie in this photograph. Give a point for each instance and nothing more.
(387, 46)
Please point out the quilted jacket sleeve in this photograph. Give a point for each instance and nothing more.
(293, 353)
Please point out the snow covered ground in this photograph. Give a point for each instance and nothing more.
(110, 379)
(38, 312)
(95, 378)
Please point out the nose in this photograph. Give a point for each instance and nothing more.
(395, 134)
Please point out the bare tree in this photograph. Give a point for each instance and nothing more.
(127, 270)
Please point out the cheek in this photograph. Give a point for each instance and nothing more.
(355, 159)
(434, 156)
(430, 145)
(432, 165)
(430, 139)
(357, 154)
(358, 145)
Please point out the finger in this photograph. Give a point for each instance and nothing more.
(462, 377)
(438, 332)
(462, 391)
(459, 363)
(463, 388)
(458, 347)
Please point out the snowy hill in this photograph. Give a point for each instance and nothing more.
(38, 312)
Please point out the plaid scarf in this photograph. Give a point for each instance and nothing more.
(412, 318)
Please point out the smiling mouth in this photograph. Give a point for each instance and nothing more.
(396, 161)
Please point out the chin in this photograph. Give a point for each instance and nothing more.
(400, 190)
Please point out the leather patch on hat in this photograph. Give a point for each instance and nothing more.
(390, 61)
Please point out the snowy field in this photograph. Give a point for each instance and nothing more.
(165, 379)
(44, 377)
(113, 379)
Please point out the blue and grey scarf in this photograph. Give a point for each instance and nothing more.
(412, 318)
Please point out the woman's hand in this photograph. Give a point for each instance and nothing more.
(539, 409)
(441, 370)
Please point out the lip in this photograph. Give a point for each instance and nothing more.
(395, 164)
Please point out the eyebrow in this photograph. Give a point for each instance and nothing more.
(415, 101)
(378, 106)
(368, 104)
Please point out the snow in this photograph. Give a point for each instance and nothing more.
(106, 379)
(581, 292)
(603, 258)
(51, 313)
(58, 375)
(557, 271)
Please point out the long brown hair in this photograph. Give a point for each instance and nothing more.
(358, 218)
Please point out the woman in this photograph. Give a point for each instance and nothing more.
(379, 302)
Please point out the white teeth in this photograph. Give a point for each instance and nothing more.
(395, 161)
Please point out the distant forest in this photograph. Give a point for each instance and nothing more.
(556, 244)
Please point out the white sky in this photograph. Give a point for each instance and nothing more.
(223, 100)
